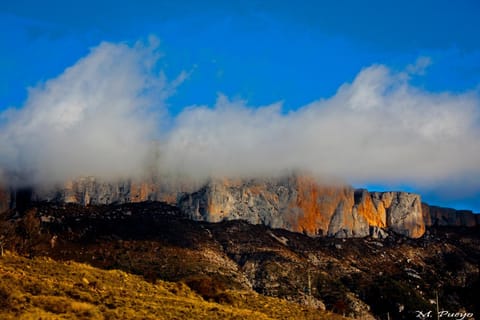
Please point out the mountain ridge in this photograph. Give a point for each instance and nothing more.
(295, 202)
(363, 278)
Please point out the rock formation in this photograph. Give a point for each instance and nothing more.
(299, 203)
(294, 203)
(450, 217)
(91, 191)
(403, 211)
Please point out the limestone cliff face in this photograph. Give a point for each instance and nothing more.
(295, 203)
(301, 204)
(372, 210)
(92, 191)
(450, 217)
(403, 212)
(347, 223)
(262, 201)
(298, 203)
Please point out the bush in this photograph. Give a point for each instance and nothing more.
(4, 295)
(207, 287)
(385, 293)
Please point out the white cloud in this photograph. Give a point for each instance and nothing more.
(377, 128)
(97, 118)
(420, 66)
(101, 116)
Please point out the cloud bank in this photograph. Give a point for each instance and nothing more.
(101, 115)
(97, 118)
(377, 128)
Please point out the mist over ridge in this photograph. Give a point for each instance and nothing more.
(107, 116)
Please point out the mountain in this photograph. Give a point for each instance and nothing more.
(363, 278)
(301, 204)
(295, 202)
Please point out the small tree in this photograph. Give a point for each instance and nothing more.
(29, 229)
(7, 234)
(2, 243)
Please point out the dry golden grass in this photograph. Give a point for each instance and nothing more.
(41, 288)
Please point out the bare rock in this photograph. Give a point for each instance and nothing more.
(93, 191)
(302, 204)
(296, 203)
(373, 211)
(404, 212)
(378, 233)
(348, 223)
(359, 309)
(450, 217)
(299, 203)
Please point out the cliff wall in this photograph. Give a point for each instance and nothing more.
(298, 203)
(301, 204)
(439, 216)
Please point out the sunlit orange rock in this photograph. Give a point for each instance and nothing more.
(301, 203)
(375, 214)
(141, 191)
(298, 202)
(317, 204)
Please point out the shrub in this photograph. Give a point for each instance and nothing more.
(207, 287)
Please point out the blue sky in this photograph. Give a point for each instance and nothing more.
(262, 52)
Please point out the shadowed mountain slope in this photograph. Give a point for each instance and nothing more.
(361, 278)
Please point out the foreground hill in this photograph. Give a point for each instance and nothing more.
(363, 278)
(42, 288)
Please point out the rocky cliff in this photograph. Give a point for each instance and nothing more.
(439, 216)
(403, 212)
(294, 202)
(302, 204)
(92, 191)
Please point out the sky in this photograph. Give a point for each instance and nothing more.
(383, 95)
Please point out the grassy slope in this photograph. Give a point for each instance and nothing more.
(42, 288)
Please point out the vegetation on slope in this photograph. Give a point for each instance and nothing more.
(42, 288)
(223, 262)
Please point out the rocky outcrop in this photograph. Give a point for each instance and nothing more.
(302, 204)
(88, 191)
(378, 233)
(91, 191)
(440, 216)
(373, 211)
(348, 223)
(403, 212)
(299, 203)
(294, 203)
